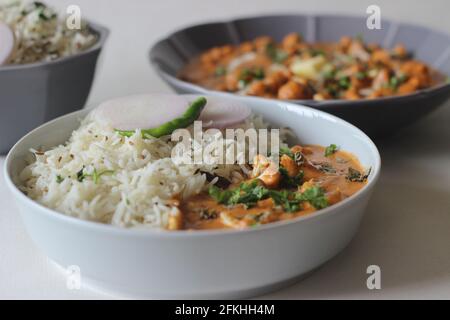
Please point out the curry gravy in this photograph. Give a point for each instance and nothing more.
(293, 69)
(330, 173)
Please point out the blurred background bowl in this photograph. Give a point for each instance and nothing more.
(377, 117)
(31, 94)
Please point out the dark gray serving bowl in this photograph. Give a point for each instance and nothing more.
(34, 93)
(377, 117)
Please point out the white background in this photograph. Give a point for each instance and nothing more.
(406, 230)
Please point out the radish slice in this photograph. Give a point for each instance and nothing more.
(141, 111)
(6, 43)
(221, 113)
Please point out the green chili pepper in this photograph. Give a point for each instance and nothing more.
(188, 117)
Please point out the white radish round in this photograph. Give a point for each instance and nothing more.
(6, 43)
(222, 113)
(141, 111)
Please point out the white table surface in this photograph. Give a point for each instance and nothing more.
(406, 230)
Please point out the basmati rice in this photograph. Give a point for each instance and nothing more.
(40, 35)
(101, 176)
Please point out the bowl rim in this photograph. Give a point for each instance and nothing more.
(170, 79)
(102, 32)
(157, 232)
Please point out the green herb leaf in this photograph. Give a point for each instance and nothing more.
(344, 83)
(331, 149)
(290, 182)
(248, 75)
(59, 179)
(248, 194)
(277, 55)
(286, 151)
(96, 175)
(221, 196)
(220, 71)
(333, 89)
(396, 81)
(354, 175)
(39, 4)
(81, 175)
(297, 156)
(316, 196)
(329, 73)
(258, 73)
(286, 199)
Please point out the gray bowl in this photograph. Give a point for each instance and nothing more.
(377, 117)
(32, 94)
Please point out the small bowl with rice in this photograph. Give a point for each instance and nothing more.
(46, 69)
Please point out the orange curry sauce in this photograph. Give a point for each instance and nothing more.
(337, 175)
(294, 69)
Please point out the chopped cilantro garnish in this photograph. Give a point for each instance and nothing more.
(332, 89)
(248, 74)
(344, 83)
(315, 196)
(81, 175)
(220, 71)
(354, 175)
(44, 17)
(290, 182)
(286, 151)
(59, 179)
(258, 73)
(396, 81)
(329, 74)
(96, 175)
(297, 156)
(39, 4)
(285, 199)
(331, 149)
(277, 55)
(248, 194)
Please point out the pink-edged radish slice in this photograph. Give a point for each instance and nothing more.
(141, 111)
(222, 113)
(6, 43)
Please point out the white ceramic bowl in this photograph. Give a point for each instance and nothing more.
(200, 264)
